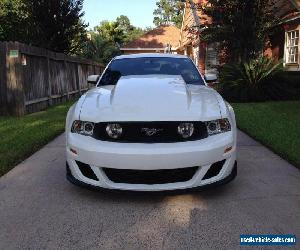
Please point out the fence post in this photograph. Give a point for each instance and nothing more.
(14, 80)
(77, 78)
(48, 77)
(3, 92)
(66, 78)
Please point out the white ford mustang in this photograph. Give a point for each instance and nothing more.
(150, 124)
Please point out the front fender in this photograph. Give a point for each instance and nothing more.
(70, 117)
(74, 112)
(232, 120)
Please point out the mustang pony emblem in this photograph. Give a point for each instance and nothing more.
(151, 131)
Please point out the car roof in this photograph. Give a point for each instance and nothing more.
(141, 55)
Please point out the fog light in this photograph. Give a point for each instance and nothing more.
(114, 130)
(88, 128)
(186, 129)
(212, 126)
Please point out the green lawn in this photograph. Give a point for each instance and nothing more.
(274, 124)
(20, 137)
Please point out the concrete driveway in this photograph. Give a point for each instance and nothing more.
(39, 209)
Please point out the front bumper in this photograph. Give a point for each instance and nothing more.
(224, 181)
(135, 156)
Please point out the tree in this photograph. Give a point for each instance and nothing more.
(110, 31)
(13, 20)
(240, 27)
(108, 37)
(168, 12)
(130, 32)
(124, 24)
(57, 24)
(120, 31)
(53, 24)
(99, 49)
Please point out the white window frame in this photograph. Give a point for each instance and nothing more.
(213, 55)
(292, 47)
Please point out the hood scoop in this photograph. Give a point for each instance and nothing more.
(151, 98)
(149, 92)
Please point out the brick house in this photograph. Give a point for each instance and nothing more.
(164, 38)
(283, 45)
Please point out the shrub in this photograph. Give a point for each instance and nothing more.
(258, 80)
(291, 81)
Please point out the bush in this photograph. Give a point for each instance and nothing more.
(258, 80)
(291, 81)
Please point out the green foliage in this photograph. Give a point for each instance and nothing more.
(107, 38)
(119, 31)
(13, 18)
(258, 80)
(240, 27)
(56, 25)
(22, 136)
(99, 49)
(130, 32)
(168, 12)
(275, 124)
(110, 31)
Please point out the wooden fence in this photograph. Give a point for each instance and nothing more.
(32, 78)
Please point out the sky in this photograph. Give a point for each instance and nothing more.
(140, 12)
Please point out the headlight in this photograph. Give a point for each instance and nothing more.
(114, 130)
(83, 128)
(185, 129)
(218, 126)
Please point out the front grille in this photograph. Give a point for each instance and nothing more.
(162, 176)
(135, 132)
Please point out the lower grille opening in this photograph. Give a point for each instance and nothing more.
(162, 176)
(214, 170)
(86, 170)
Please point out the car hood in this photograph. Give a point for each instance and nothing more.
(150, 98)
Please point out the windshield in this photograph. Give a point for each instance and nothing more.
(151, 66)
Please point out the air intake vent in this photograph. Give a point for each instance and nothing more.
(86, 170)
(214, 170)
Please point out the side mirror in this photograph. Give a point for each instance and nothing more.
(93, 79)
(211, 78)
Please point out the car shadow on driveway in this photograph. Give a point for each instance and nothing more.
(136, 196)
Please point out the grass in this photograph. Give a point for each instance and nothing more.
(274, 124)
(22, 136)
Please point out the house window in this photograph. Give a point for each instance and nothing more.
(211, 60)
(292, 46)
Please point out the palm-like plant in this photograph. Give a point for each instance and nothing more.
(99, 49)
(252, 81)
